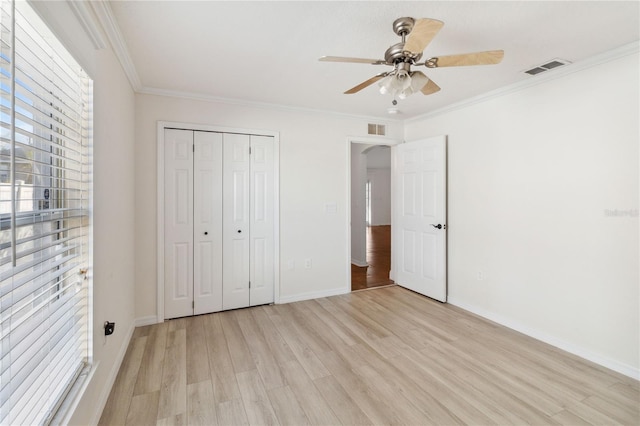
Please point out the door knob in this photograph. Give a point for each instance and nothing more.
(206, 233)
(439, 226)
(239, 231)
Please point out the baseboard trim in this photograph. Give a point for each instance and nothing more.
(611, 364)
(313, 295)
(359, 263)
(148, 320)
(106, 390)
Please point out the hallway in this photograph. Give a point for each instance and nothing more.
(378, 258)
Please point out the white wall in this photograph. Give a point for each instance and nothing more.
(113, 205)
(379, 174)
(313, 173)
(531, 177)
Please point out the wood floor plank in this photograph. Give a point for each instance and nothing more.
(197, 356)
(409, 396)
(287, 407)
(201, 409)
(261, 352)
(305, 356)
(232, 413)
(329, 335)
(240, 355)
(341, 403)
(369, 402)
(117, 406)
(255, 399)
(175, 420)
(173, 392)
(150, 374)
(144, 409)
(223, 377)
(279, 347)
(303, 328)
(338, 328)
(313, 404)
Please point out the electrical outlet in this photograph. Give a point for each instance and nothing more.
(109, 328)
(480, 276)
(307, 263)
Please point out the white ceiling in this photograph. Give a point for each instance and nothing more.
(267, 52)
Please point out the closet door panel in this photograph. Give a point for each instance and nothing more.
(262, 195)
(207, 280)
(235, 207)
(178, 212)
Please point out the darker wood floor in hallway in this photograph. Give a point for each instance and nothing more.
(378, 258)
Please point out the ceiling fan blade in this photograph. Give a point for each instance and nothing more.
(429, 88)
(352, 60)
(479, 58)
(424, 30)
(367, 83)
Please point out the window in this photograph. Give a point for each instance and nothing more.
(45, 125)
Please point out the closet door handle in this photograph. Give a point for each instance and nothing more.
(239, 231)
(206, 233)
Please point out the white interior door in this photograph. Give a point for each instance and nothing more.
(235, 205)
(178, 223)
(420, 212)
(262, 223)
(207, 220)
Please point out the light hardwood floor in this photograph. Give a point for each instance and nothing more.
(381, 356)
(378, 258)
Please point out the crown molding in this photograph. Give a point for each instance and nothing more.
(83, 13)
(263, 105)
(611, 55)
(110, 26)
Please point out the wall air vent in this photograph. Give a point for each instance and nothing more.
(549, 65)
(376, 129)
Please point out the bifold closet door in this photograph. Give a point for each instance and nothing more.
(219, 221)
(178, 223)
(262, 221)
(207, 223)
(248, 217)
(193, 223)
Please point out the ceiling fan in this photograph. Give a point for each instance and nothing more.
(416, 35)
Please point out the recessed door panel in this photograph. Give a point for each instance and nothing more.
(408, 249)
(178, 224)
(429, 195)
(262, 224)
(236, 232)
(408, 194)
(207, 164)
(429, 262)
(180, 257)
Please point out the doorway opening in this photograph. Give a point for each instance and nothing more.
(370, 216)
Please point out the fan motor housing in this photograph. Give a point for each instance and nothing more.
(396, 53)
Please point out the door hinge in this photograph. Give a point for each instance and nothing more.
(249, 150)
(249, 284)
(193, 304)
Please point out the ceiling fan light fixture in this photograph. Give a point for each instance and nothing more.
(397, 82)
(402, 84)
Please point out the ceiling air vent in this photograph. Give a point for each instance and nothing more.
(554, 63)
(376, 129)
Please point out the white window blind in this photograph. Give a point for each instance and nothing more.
(44, 222)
